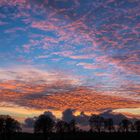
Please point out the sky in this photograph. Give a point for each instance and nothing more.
(78, 54)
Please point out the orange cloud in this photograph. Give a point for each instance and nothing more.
(83, 100)
(42, 90)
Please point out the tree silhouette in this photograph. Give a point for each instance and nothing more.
(72, 126)
(109, 124)
(62, 126)
(1, 125)
(96, 122)
(132, 127)
(125, 125)
(137, 125)
(8, 124)
(44, 124)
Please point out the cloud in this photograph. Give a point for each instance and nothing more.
(19, 84)
(88, 65)
(35, 75)
(68, 115)
(117, 118)
(40, 89)
(82, 120)
(70, 54)
(100, 37)
(29, 122)
(75, 28)
(81, 100)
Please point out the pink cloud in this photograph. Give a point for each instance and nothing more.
(87, 65)
(102, 74)
(42, 56)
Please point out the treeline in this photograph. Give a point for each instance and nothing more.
(46, 124)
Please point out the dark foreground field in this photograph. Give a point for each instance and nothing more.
(71, 136)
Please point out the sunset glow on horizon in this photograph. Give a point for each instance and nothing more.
(69, 54)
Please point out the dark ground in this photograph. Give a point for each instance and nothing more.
(70, 136)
